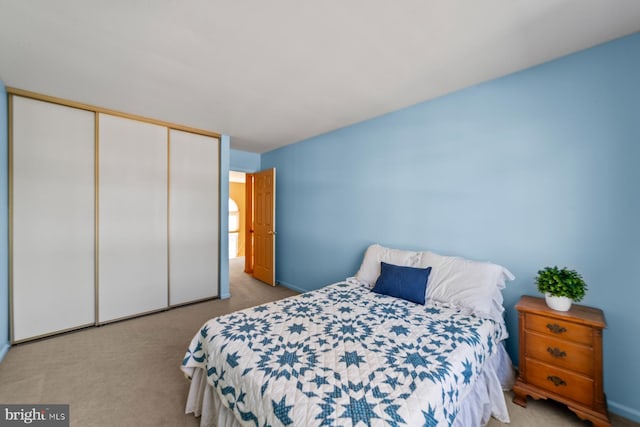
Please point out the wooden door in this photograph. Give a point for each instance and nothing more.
(263, 230)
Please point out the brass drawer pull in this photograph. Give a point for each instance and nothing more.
(557, 381)
(555, 328)
(556, 352)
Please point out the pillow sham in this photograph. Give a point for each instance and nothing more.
(472, 284)
(375, 254)
(408, 283)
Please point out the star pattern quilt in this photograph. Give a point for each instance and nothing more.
(344, 356)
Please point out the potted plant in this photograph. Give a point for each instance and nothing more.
(560, 287)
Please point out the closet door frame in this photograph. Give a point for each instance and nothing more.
(78, 204)
(11, 92)
(132, 218)
(180, 264)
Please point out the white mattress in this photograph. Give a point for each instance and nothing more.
(486, 398)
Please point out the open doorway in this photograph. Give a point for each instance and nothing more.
(237, 214)
(252, 224)
(237, 229)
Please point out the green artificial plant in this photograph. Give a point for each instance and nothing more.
(561, 282)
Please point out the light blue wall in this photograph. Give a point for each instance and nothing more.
(243, 161)
(537, 168)
(4, 227)
(224, 217)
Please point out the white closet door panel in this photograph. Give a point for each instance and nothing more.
(193, 216)
(53, 218)
(132, 217)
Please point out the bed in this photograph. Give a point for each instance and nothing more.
(348, 354)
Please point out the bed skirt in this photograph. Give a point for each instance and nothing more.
(486, 398)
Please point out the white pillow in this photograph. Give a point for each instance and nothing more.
(472, 284)
(370, 267)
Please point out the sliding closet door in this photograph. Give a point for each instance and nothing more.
(53, 218)
(132, 217)
(193, 215)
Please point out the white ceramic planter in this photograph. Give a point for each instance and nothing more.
(557, 303)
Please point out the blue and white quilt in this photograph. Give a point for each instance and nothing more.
(344, 356)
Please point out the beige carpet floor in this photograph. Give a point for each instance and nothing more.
(127, 373)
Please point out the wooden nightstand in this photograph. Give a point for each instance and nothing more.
(561, 358)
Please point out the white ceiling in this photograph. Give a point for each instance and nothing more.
(270, 73)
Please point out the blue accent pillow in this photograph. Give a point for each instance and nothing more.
(408, 283)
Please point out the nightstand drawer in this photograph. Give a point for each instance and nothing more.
(564, 354)
(559, 381)
(560, 329)
(561, 357)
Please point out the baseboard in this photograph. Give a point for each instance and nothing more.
(292, 287)
(4, 350)
(624, 411)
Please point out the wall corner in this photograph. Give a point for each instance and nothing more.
(223, 261)
(4, 223)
